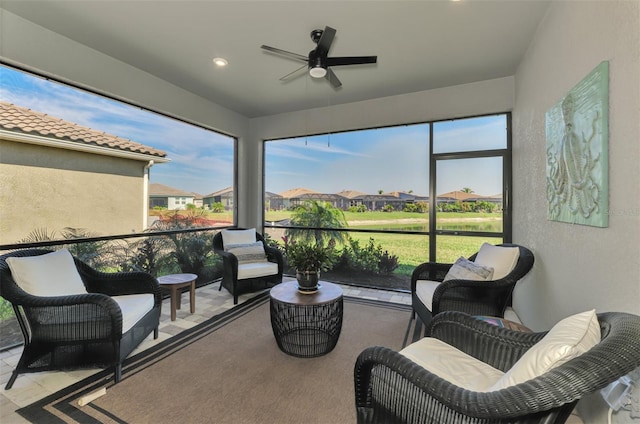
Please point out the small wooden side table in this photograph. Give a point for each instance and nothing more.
(175, 282)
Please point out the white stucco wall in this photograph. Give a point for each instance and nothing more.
(579, 267)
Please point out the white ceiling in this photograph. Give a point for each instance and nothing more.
(420, 45)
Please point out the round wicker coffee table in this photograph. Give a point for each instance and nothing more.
(306, 325)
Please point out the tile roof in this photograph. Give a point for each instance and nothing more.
(23, 120)
(156, 189)
(219, 192)
(295, 192)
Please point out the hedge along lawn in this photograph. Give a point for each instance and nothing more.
(411, 249)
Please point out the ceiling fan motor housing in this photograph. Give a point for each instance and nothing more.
(317, 64)
(316, 34)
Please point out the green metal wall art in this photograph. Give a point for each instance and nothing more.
(577, 129)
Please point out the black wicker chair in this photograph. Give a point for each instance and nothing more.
(390, 388)
(473, 297)
(83, 330)
(237, 286)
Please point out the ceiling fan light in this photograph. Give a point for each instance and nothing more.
(220, 61)
(317, 72)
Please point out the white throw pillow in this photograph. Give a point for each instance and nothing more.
(238, 236)
(250, 252)
(464, 269)
(568, 339)
(51, 274)
(501, 259)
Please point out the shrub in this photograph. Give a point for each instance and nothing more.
(191, 251)
(410, 207)
(217, 207)
(359, 208)
(149, 255)
(387, 208)
(368, 259)
(423, 207)
(388, 263)
(6, 310)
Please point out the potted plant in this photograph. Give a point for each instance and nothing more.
(309, 259)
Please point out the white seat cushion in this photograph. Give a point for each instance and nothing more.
(568, 339)
(425, 290)
(511, 315)
(133, 307)
(256, 269)
(238, 236)
(51, 274)
(453, 365)
(501, 259)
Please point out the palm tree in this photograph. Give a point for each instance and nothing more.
(322, 217)
(467, 190)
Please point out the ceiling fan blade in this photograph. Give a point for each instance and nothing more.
(295, 74)
(333, 79)
(351, 60)
(325, 40)
(294, 56)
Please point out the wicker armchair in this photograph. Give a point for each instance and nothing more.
(239, 277)
(390, 388)
(80, 330)
(473, 297)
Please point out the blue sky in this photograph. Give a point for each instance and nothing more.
(388, 159)
(201, 160)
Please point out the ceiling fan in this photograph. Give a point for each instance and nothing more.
(317, 62)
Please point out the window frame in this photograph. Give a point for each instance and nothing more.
(99, 93)
(505, 154)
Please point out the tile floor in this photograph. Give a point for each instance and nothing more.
(29, 388)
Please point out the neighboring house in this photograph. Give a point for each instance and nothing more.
(334, 200)
(197, 199)
(273, 201)
(224, 196)
(163, 196)
(46, 161)
(461, 196)
(373, 202)
(293, 194)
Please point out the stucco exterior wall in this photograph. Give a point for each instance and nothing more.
(65, 188)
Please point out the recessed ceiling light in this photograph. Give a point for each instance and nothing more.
(220, 61)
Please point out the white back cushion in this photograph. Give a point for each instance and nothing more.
(51, 274)
(501, 259)
(568, 339)
(238, 236)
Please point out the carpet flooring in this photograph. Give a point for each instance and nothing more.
(230, 370)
